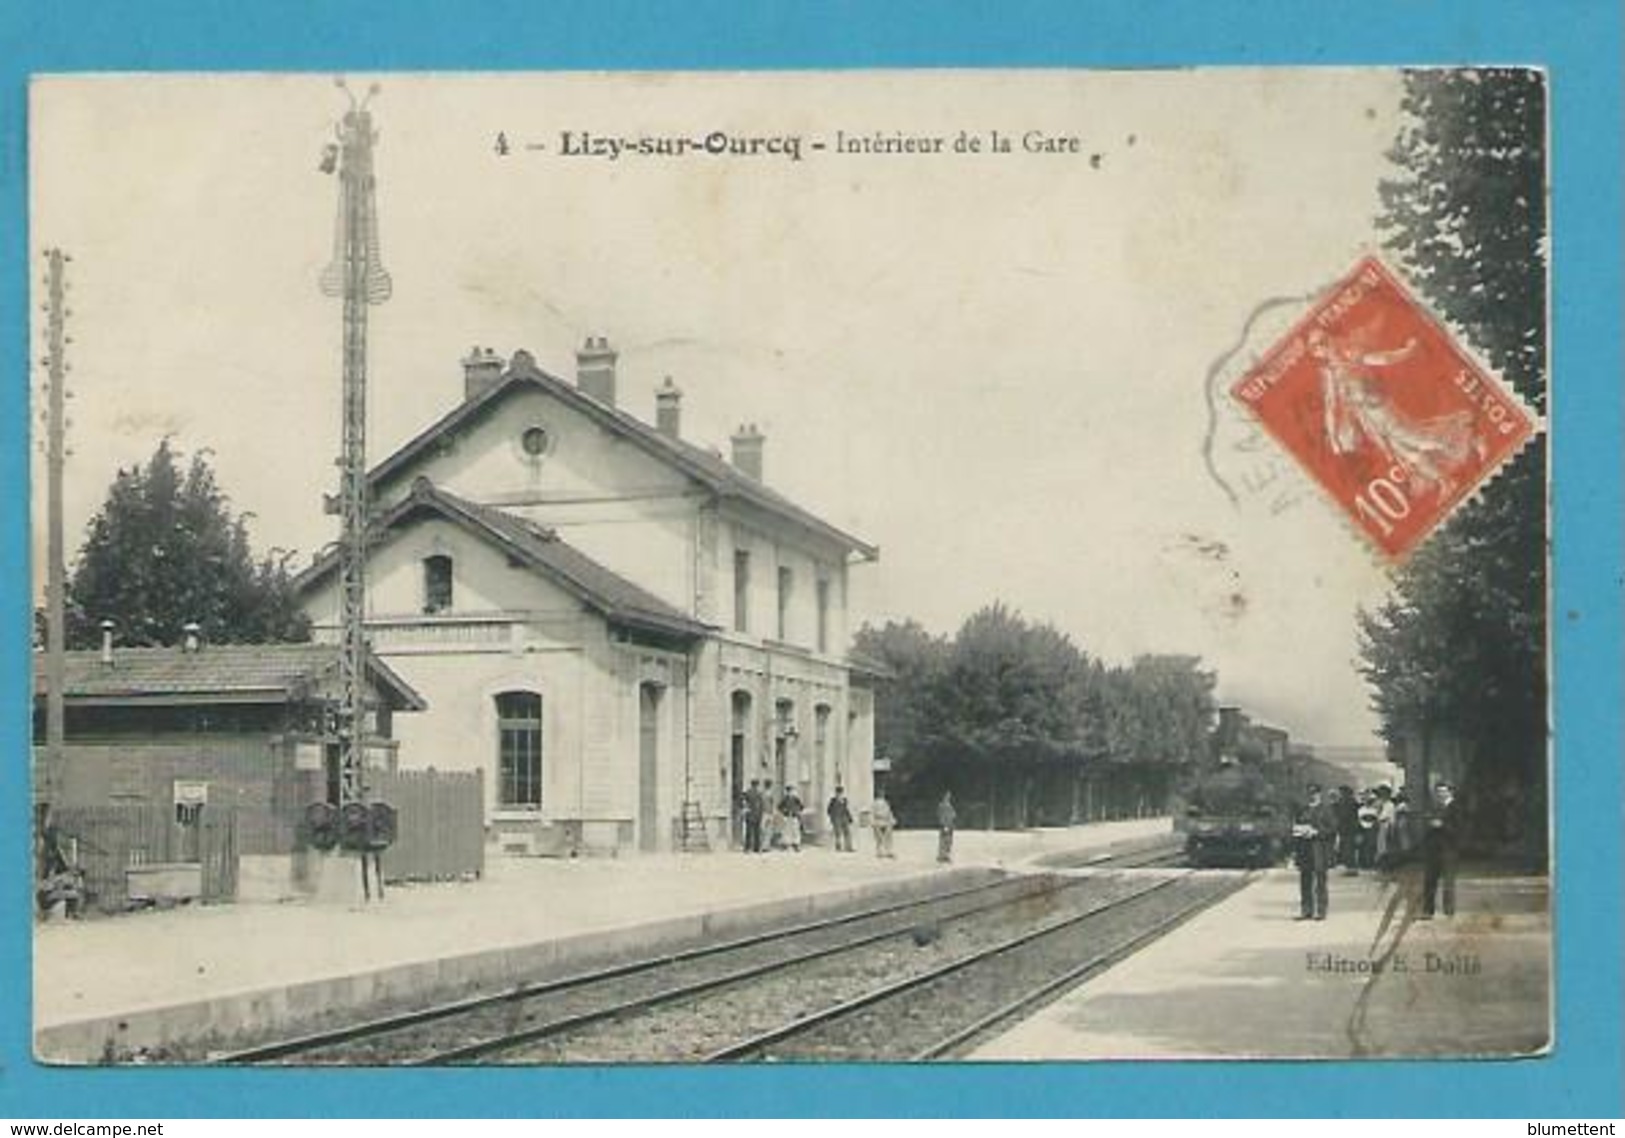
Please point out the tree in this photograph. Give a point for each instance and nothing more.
(1159, 710)
(165, 550)
(914, 660)
(1022, 724)
(1016, 701)
(1460, 645)
(1013, 690)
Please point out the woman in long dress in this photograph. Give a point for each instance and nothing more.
(1356, 407)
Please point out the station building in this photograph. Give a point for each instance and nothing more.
(618, 626)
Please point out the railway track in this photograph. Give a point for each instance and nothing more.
(766, 995)
(1157, 853)
(419, 1035)
(943, 1013)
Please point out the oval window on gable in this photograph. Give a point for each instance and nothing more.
(534, 441)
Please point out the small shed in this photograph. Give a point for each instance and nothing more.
(186, 771)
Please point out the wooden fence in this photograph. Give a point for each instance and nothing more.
(109, 840)
(440, 816)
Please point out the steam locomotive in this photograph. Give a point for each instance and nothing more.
(1236, 816)
(1237, 802)
(1236, 805)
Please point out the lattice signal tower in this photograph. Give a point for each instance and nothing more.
(356, 274)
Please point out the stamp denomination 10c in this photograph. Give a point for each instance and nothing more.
(1383, 408)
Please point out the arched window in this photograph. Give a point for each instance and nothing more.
(519, 750)
(821, 744)
(740, 735)
(784, 736)
(436, 583)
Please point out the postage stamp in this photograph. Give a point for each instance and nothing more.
(1383, 408)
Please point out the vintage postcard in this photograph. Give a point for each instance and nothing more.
(553, 568)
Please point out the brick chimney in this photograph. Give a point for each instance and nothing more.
(669, 409)
(107, 642)
(747, 441)
(595, 370)
(191, 637)
(482, 370)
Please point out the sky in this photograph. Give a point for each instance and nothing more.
(995, 366)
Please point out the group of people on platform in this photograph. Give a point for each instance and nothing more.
(1376, 829)
(770, 823)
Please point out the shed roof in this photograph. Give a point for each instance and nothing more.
(215, 673)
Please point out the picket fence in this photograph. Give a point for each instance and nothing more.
(440, 833)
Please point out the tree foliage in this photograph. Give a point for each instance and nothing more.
(1007, 702)
(1011, 690)
(165, 550)
(1158, 710)
(1460, 645)
(915, 661)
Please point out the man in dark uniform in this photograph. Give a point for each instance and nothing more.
(1313, 829)
(840, 820)
(1347, 812)
(1440, 840)
(755, 806)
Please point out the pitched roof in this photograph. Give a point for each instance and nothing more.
(863, 664)
(215, 673)
(709, 469)
(605, 591)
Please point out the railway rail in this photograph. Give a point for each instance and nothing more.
(384, 1038)
(786, 993)
(943, 1013)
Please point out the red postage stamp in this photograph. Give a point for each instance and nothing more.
(1384, 409)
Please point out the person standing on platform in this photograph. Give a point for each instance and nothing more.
(840, 821)
(1347, 812)
(883, 821)
(946, 817)
(1440, 839)
(1402, 842)
(1365, 844)
(772, 832)
(1313, 830)
(754, 807)
(790, 808)
(1386, 845)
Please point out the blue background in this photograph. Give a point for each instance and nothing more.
(1580, 43)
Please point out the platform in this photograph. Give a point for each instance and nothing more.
(1246, 979)
(145, 978)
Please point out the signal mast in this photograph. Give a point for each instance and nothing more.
(357, 275)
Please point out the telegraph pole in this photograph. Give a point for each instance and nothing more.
(56, 425)
(356, 275)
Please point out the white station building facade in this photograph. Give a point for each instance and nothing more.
(618, 627)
